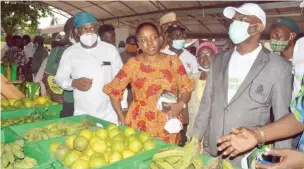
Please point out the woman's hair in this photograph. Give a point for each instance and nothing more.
(18, 41)
(142, 25)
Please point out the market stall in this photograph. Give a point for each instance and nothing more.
(34, 136)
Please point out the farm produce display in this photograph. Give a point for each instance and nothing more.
(36, 116)
(185, 158)
(11, 104)
(94, 149)
(53, 130)
(12, 156)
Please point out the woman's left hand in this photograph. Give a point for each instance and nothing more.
(289, 159)
(176, 108)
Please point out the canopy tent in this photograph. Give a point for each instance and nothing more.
(52, 29)
(201, 19)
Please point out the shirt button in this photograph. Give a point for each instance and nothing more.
(226, 110)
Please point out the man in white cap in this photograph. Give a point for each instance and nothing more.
(165, 21)
(86, 67)
(243, 83)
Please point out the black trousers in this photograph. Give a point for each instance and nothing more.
(67, 110)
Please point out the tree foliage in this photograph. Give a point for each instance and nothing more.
(22, 15)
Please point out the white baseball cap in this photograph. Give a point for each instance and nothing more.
(246, 9)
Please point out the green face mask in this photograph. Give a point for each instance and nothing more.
(278, 45)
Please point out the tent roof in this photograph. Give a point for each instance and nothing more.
(199, 18)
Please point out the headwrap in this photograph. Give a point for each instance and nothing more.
(83, 18)
(208, 45)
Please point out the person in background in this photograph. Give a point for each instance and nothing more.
(121, 46)
(283, 34)
(165, 21)
(107, 34)
(16, 55)
(28, 46)
(131, 49)
(66, 97)
(243, 83)
(8, 44)
(149, 74)
(204, 56)
(39, 55)
(86, 67)
(176, 43)
(192, 50)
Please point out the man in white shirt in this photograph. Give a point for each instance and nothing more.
(243, 83)
(28, 46)
(176, 43)
(86, 67)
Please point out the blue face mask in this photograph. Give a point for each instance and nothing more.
(238, 31)
(178, 44)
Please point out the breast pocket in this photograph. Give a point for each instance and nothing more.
(260, 91)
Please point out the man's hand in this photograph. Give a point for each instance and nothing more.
(290, 159)
(56, 97)
(83, 84)
(240, 140)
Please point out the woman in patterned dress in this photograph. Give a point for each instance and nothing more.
(17, 56)
(150, 73)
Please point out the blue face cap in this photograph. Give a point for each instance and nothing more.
(83, 18)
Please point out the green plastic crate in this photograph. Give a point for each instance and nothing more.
(20, 129)
(51, 112)
(8, 136)
(44, 161)
(144, 163)
(131, 162)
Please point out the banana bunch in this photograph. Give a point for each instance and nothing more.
(218, 163)
(13, 150)
(178, 158)
(58, 129)
(186, 158)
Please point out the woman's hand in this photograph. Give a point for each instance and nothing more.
(176, 108)
(121, 119)
(240, 140)
(289, 159)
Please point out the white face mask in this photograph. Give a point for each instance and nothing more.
(72, 40)
(173, 126)
(178, 44)
(88, 39)
(203, 69)
(238, 31)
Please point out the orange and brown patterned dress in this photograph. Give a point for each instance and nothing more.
(148, 80)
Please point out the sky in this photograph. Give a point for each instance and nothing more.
(46, 22)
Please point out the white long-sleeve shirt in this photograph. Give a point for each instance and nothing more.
(189, 61)
(29, 50)
(77, 62)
